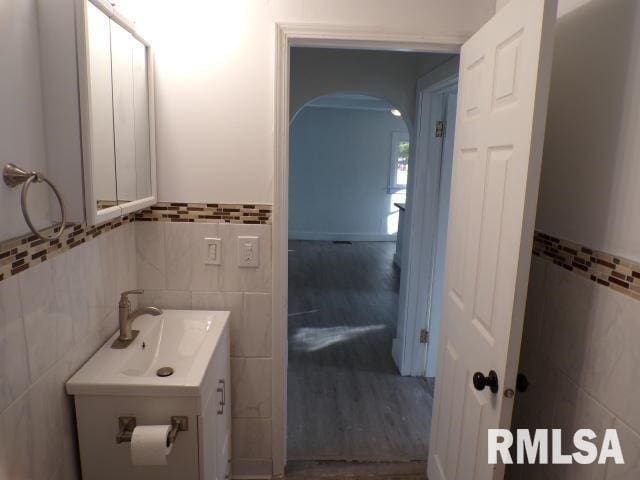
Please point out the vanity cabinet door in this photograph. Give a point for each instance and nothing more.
(123, 112)
(215, 422)
(103, 160)
(223, 425)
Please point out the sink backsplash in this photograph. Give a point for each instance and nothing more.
(58, 305)
(171, 270)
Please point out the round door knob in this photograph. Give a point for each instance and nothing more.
(522, 383)
(480, 381)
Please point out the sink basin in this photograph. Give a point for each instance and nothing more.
(183, 340)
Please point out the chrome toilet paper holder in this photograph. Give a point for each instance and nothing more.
(127, 424)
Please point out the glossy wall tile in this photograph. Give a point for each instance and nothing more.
(171, 269)
(53, 317)
(581, 355)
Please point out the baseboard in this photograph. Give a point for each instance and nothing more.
(353, 237)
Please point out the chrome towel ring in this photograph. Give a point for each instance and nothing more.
(14, 176)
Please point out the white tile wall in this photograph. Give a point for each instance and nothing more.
(48, 323)
(14, 366)
(251, 387)
(253, 440)
(581, 353)
(171, 257)
(53, 317)
(172, 272)
(150, 256)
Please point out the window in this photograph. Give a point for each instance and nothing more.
(399, 167)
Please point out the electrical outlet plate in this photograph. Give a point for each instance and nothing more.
(213, 251)
(248, 251)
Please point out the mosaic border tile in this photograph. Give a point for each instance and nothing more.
(206, 213)
(617, 273)
(19, 254)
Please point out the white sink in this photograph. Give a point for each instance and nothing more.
(181, 339)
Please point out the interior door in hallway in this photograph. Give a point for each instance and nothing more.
(503, 90)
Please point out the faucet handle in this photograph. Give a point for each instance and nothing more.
(124, 295)
(133, 292)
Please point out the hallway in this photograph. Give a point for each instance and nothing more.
(346, 400)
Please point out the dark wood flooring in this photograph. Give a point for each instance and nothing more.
(346, 400)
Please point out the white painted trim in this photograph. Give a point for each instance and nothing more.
(151, 73)
(92, 215)
(353, 237)
(114, 14)
(288, 35)
(348, 107)
(357, 37)
(423, 202)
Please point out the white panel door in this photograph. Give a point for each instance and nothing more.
(503, 90)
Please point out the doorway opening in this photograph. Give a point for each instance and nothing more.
(504, 81)
(351, 168)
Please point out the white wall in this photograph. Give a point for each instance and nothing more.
(39, 116)
(339, 173)
(388, 75)
(22, 136)
(589, 187)
(215, 74)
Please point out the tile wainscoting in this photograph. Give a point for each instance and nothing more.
(53, 317)
(171, 270)
(580, 352)
(58, 305)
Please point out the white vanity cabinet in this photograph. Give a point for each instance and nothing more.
(122, 383)
(215, 421)
(115, 76)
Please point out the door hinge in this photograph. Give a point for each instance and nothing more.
(424, 336)
(440, 126)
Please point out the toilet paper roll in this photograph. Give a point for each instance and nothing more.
(149, 445)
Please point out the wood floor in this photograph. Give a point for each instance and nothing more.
(346, 400)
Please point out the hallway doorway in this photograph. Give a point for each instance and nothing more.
(349, 171)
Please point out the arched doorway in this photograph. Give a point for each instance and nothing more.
(346, 400)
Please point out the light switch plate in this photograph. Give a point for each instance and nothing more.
(248, 251)
(213, 251)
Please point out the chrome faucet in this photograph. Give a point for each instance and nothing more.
(126, 318)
